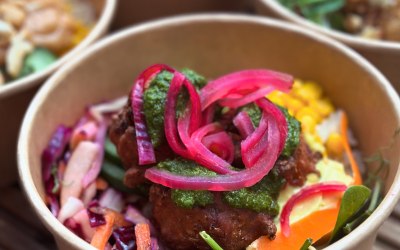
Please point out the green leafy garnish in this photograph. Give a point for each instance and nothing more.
(36, 61)
(373, 204)
(210, 241)
(353, 201)
(322, 12)
(306, 244)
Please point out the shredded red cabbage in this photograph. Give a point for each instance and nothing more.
(54, 150)
(124, 238)
(154, 244)
(304, 193)
(96, 214)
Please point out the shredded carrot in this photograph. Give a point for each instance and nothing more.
(119, 220)
(103, 232)
(314, 226)
(101, 184)
(357, 180)
(142, 233)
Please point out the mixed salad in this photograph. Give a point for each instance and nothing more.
(372, 19)
(253, 159)
(34, 33)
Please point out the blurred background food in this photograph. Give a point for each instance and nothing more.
(34, 33)
(371, 19)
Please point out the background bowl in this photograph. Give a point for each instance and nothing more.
(15, 97)
(385, 55)
(213, 45)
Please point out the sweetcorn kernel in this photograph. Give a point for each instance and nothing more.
(293, 104)
(308, 91)
(334, 144)
(297, 84)
(276, 97)
(308, 124)
(307, 111)
(323, 106)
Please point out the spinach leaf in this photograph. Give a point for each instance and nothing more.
(353, 201)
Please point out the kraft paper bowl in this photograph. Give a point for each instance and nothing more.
(385, 55)
(15, 96)
(213, 44)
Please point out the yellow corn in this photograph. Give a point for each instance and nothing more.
(276, 97)
(293, 104)
(307, 111)
(308, 91)
(323, 106)
(308, 124)
(334, 145)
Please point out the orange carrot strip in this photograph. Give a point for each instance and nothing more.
(313, 226)
(101, 184)
(119, 220)
(103, 232)
(357, 180)
(142, 233)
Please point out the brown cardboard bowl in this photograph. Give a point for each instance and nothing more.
(15, 97)
(133, 12)
(385, 55)
(213, 44)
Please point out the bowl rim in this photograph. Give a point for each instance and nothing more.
(26, 180)
(352, 40)
(98, 30)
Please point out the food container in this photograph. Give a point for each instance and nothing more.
(385, 55)
(133, 12)
(214, 44)
(15, 97)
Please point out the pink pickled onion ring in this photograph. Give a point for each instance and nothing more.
(208, 115)
(246, 99)
(203, 155)
(144, 145)
(227, 182)
(304, 193)
(221, 144)
(266, 105)
(244, 124)
(194, 114)
(243, 81)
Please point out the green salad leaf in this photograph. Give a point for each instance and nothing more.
(353, 201)
(323, 12)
